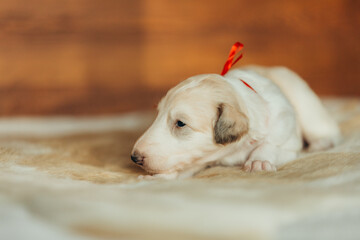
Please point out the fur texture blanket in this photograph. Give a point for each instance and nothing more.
(72, 178)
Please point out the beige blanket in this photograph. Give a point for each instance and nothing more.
(71, 178)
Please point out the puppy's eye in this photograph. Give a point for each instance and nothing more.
(180, 124)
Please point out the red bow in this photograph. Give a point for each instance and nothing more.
(234, 49)
(230, 61)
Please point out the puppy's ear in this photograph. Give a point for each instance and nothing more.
(231, 124)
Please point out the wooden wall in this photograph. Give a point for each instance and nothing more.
(94, 56)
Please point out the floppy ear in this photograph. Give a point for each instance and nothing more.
(231, 124)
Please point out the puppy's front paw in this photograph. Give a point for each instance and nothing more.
(257, 166)
(322, 144)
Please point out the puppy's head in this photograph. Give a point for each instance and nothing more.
(196, 118)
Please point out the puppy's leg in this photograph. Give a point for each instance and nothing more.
(317, 126)
(280, 146)
(267, 157)
(262, 159)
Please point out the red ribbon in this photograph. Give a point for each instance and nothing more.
(234, 49)
(230, 61)
(246, 84)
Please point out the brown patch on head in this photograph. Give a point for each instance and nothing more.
(231, 124)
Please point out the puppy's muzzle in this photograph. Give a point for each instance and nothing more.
(137, 158)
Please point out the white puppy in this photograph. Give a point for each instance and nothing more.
(255, 117)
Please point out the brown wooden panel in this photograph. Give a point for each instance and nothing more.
(79, 102)
(69, 44)
(318, 39)
(93, 56)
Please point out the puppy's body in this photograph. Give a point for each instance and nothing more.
(256, 117)
(274, 135)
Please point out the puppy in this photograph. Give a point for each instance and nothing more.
(255, 117)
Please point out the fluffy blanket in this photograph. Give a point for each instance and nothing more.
(72, 178)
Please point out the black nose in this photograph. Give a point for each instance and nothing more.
(134, 158)
(137, 158)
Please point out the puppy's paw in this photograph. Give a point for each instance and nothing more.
(322, 144)
(258, 166)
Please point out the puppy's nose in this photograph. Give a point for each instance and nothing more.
(134, 158)
(137, 158)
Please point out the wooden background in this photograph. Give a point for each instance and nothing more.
(100, 57)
